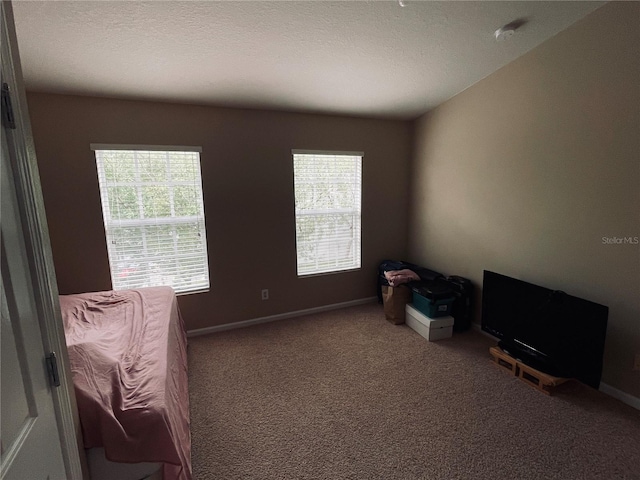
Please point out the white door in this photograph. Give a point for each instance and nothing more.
(30, 440)
(38, 422)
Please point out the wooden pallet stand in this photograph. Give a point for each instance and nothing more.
(535, 378)
(504, 360)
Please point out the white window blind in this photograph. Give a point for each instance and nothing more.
(153, 217)
(328, 208)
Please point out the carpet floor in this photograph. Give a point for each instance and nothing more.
(347, 395)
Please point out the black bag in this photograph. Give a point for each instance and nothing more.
(425, 274)
(434, 290)
(462, 309)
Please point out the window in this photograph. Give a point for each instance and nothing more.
(328, 204)
(153, 216)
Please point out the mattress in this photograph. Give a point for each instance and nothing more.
(127, 351)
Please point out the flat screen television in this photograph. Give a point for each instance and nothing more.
(547, 329)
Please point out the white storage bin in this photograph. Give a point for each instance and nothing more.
(430, 328)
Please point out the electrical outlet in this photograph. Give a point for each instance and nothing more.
(265, 294)
(636, 363)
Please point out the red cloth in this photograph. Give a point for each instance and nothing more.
(128, 358)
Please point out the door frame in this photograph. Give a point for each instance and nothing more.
(36, 232)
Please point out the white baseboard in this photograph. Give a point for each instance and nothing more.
(604, 388)
(624, 397)
(280, 316)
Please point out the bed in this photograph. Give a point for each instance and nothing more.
(127, 351)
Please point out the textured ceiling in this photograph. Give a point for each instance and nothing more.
(353, 57)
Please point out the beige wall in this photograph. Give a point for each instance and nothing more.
(248, 191)
(527, 170)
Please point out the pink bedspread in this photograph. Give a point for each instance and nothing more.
(129, 362)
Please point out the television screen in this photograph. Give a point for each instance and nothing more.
(549, 330)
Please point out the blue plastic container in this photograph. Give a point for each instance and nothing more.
(432, 308)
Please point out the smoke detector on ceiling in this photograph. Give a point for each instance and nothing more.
(503, 33)
(507, 31)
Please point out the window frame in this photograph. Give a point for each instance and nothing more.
(172, 221)
(355, 211)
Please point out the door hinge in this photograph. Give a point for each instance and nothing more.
(52, 367)
(8, 120)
